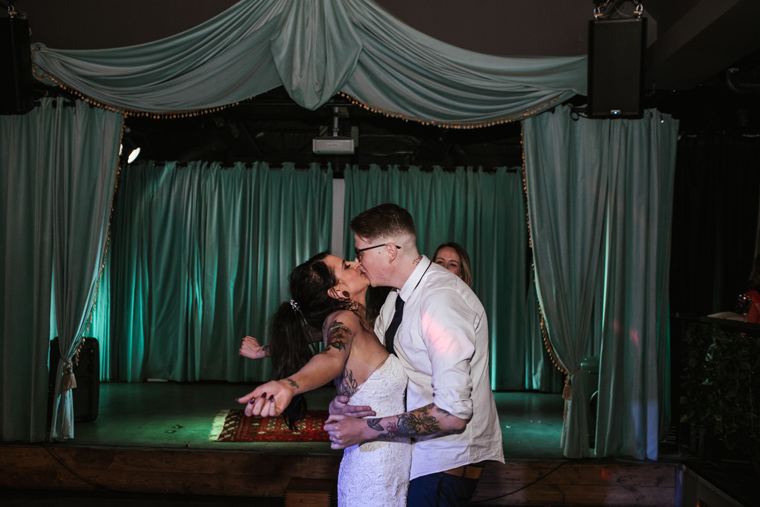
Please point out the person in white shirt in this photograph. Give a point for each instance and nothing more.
(442, 343)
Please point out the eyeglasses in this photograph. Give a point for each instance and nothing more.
(360, 251)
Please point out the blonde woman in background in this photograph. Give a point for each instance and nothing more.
(453, 257)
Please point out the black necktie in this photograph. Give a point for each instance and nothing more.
(390, 333)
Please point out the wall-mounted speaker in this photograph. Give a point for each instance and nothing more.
(616, 67)
(15, 66)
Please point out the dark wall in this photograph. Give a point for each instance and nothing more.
(98, 24)
(715, 220)
(499, 27)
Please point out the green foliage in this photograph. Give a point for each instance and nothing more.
(721, 386)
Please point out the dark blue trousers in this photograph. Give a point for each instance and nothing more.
(440, 490)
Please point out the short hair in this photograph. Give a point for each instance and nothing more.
(382, 221)
(464, 260)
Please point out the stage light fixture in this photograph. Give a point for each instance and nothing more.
(131, 147)
(133, 155)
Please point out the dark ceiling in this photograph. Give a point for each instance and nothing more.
(702, 65)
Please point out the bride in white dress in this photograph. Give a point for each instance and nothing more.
(327, 292)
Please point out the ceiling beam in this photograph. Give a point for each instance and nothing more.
(706, 40)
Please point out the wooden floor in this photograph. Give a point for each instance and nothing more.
(262, 475)
(135, 447)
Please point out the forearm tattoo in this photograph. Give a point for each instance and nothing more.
(345, 383)
(417, 423)
(292, 383)
(337, 335)
(265, 351)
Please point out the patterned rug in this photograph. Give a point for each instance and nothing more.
(234, 426)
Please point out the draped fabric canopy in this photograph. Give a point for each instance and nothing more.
(314, 49)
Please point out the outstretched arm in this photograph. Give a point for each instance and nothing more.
(272, 398)
(425, 421)
(251, 349)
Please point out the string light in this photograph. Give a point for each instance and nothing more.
(451, 125)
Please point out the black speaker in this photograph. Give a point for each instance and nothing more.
(15, 66)
(616, 67)
(86, 396)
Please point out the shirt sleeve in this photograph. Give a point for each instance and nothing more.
(448, 327)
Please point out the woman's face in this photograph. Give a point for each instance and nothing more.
(448, 258)
(350, 277)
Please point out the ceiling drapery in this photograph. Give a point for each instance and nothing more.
(315, 49)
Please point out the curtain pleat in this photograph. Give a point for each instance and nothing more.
(100, 327)
(84, 167)
(634, 370)
(201, 258)
(26, 273)
(567, 186)
(599, 194)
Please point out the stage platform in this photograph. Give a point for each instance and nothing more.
(153, 438)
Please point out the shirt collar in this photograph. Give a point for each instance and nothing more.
(414, 279)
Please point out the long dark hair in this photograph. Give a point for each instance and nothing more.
(375, 300)
(293, 326)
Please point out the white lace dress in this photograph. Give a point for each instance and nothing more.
(377, 473)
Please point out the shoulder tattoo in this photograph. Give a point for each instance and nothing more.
(337, 335)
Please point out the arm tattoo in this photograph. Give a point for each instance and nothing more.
(346, 384)
(265, 350)
(417, 423)
(292, 383)
(337, 335)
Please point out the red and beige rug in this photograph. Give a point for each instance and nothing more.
(234, 426)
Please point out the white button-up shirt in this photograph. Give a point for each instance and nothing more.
(442, 343)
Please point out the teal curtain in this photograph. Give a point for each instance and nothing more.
(485, 213)
(100, 326)
(84, 171)
(635, 353)
(599, 202)
(26, 274)
(58, 165)
(201, 256)
(315, 49)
